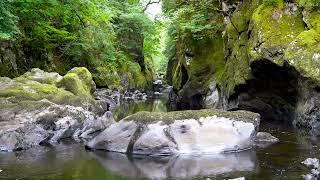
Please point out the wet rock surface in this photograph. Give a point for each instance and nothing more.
(184, 132)
(264, 139)
(315, 171)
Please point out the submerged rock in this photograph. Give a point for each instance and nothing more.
(181, 132)
(264, 139)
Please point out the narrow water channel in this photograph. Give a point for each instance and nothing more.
(71, 161)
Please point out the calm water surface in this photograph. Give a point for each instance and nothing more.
(72, 161)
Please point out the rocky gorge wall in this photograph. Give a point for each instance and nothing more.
(266, 60)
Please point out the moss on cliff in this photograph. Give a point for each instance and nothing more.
(287, 34)
(237, 69)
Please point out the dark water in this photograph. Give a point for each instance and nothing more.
(72, 161)
(131, 107)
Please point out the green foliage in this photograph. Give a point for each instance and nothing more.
(274, 3)
(90, 33)
(195, 17)
(8, 21)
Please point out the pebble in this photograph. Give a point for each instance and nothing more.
(315, 173)
(240, 178)
(311, 162)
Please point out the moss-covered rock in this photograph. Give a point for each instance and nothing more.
(40, 76)
(107, 77)
(35, 91)
(271, 62)
(133, 77)
(286, 34)
(169, 117)
(237, 68)
(74, 88)
(79, 82)
(151, 133)
(198, 63)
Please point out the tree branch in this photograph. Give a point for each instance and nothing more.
(149, 3)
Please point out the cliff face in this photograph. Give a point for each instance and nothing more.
(266, 60)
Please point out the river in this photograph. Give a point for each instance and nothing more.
(70, 160)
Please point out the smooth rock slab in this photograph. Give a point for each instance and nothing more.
(180, 132)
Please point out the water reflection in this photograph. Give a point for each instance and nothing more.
(71, 161)
(127, 108)
(183, 166)
(66, 161)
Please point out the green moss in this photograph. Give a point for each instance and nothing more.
(169, 117)
(237, 69)
(274, 3)
(177, 76)
(107, 77)
(40, 76)
(134, 78)
(17, 92)
(273, 31)
(307, 3)
(24, 105)
(85, 76)
(281, 37)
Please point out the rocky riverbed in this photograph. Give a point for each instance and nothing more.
(41, 108)
(40, 111)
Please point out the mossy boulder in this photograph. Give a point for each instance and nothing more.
(79, 82)
(40, 76)
(107, 77)
(16, 91)
(134, 77)
(74, 88)
(185, 132)
(145, 117)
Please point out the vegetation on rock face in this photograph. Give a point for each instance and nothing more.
(103, 35)
(196, 48)
(284, 32)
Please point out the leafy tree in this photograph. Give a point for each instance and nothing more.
(8, 21)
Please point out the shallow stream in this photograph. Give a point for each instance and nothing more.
(71, 161)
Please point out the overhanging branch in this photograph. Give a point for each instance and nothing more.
(149, 3)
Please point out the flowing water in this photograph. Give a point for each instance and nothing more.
(72, 161)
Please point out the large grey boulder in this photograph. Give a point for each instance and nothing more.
(181, 132)
(45, 122)
(40, 107)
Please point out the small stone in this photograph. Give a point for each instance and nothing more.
(240, 178)
(311, 162)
